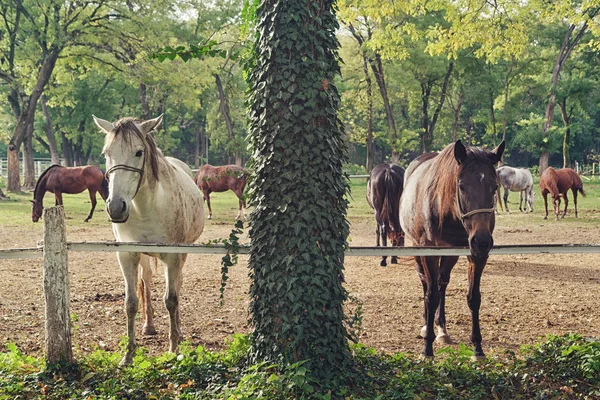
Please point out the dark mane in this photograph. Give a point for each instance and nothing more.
(125, 127)
(445, 177)
(37, 184)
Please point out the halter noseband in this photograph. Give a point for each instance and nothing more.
(129, 168)
(473, 212)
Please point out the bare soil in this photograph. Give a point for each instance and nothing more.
(524, 297)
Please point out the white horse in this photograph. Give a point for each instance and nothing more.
(152, 199)
(517, 180)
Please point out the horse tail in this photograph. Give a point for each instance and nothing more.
(498, 196)
(391, 201)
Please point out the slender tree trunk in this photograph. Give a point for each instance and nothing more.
(493, 116)
(565, 49)
(457, 115)
(50, 132)
(25, 120)
(377, 67)
(369, 141)
(144, 101)
(505, 108)
(438, 109)
(425, 93)
(197, 148)
(224, 108)
(566, 118)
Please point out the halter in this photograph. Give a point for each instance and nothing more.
(129, 168)
(473, 212)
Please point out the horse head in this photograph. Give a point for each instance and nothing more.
(130, 154)
(475, 194)
(36, 210)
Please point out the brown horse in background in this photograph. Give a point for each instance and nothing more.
(448, 200)
(384, 189)
(220, 179)
(557, 182)
(71, 180)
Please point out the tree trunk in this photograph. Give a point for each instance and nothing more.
(457, 115)
(66, 148)
(144, 101)
(50, 132)
(224, 108)
(565, 49)
(197, 148)
(369, 141)
(28, 163)
(493, 116)
(425, 93)
(377, 67)
(438, 109)
(566, 118)
(25, 120)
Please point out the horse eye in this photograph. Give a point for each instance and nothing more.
(139, 153)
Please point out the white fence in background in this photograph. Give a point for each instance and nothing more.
(40, 165)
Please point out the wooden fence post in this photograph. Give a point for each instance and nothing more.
(56, 287)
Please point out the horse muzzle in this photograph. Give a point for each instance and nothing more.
(480, 245)
(117, 210)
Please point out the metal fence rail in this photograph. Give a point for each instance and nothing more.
(353, 251)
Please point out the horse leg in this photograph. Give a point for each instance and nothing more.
(506, 199)
(431, 300)
(129, 268)
(207, 198)
(93, 199)
(58, 198)
(521, 201)
(421, 273)
(575, 201)
(145, 295)
(475, 271)
(566, 204)
(383, 232)
(173, 278)
(446, 265)
(242, 204)
(545, 203)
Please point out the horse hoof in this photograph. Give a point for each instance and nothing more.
(209, 217)
(148, 331)
(425, 357)
(394, 260)
(382, 263)
(546, 217)
(126, 360)
(444, 339)
(478, 358)
(423, 332)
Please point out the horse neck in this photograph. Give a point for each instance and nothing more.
(40, 190)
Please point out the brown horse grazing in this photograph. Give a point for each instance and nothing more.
(448, 200)
(221, 179)
(71, 180)
(384, 189)
(557, 183)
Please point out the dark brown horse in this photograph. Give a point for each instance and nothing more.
(221, 179)
(448, 200)
(384, 189)
(71, 180)
(557, 182)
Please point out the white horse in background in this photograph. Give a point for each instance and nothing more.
(152, 199)
(517, 180)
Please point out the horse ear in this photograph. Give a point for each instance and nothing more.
(150, 125)
(102, 124)
(460, 152)
(498, 152)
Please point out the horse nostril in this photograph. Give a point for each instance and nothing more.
(124, 207)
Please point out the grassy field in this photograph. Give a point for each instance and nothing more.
(16, 211)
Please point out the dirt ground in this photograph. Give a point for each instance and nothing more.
(524, 297)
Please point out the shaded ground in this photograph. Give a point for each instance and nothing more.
(524, 297)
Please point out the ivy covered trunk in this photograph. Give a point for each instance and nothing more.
(298, 226)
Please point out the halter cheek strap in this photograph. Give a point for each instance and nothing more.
(129, 168)
(473, 212)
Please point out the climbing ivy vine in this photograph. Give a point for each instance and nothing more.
(298, 228)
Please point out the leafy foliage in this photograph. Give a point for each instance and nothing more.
(298, 226)
(557, 367)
